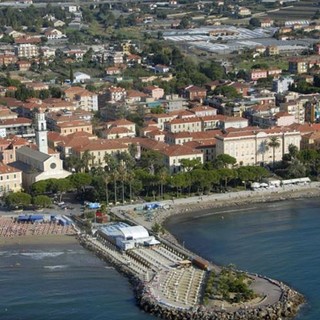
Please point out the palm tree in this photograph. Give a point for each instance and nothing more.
(112, 167)
(115, 176)
(162, 176)
(274, 143)
(86, 159)
(122, 171)
(130, 179)
(106, 178)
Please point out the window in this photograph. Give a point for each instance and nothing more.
(53, 165)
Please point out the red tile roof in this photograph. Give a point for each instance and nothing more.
(15, 121)
(7, 169)
(101, 144)
(178, 150)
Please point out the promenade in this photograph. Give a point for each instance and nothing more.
(194, 205)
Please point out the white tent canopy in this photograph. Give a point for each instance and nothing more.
(134, 232)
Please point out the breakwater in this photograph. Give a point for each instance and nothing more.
(285, 308)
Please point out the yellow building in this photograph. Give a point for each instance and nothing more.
(250, 145)
(98, 149)
(10, 179)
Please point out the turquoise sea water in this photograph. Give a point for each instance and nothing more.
(280, 240)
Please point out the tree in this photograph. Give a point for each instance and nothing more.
(227, 91)
(212, 70)
(157, 228)
(189, 165)
(249, 173)
(59, 186)
(245, 175)
(42, 201)
(179, 182)
(115, 176)
(185, 22)
(224, 160)
(274, 144)
(73, 164)
(201, 179)
(87, 159)
(296, 170)
(152, 160)
(39, 187)
(226, 175)
(162, 178)
(310, 158)
(122, 174)
(18, 200)
(80, 180)
(71, 76)
(254, 22)
(293, 151)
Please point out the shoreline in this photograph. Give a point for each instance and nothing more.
(235, 200)
(195, 207)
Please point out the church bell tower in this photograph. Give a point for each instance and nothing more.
(41, 132)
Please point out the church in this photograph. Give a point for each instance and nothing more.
(39, 163)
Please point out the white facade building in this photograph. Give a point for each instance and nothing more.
(80, 77)
(281, 85)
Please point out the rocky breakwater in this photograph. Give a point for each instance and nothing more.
(286, 308)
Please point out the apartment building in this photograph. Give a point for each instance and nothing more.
(114, 94)
(21, 127)
(82, 98)
(193, 124)
(294, 108)
(26, 50)
(154, 91)
(303, 65)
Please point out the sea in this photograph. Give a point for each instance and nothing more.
(280, 240)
